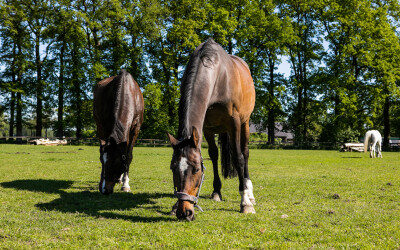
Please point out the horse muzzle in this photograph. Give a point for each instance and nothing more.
(185, 211)
(106, 187)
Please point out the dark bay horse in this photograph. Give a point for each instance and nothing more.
(217, 96)
(118, 110)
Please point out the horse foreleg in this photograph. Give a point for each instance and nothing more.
(125, 182)
(125, 176)
(246, 206)
(244, 143)
(213, 153)
(371, 150)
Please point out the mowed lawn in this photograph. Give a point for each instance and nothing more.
(49, 198)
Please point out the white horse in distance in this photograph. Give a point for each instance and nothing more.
(373, 141)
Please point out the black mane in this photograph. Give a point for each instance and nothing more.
(117, 132)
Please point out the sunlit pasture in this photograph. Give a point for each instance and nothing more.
(49, 198)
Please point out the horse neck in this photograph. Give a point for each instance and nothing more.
(193, 109)
(121, 116)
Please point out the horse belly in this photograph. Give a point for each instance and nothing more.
(217, 117)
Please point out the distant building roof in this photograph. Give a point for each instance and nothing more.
(279, 131)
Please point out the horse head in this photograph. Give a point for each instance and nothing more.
(114, 163)
(186, 166)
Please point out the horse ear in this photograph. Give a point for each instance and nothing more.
(172, 140)
(195, 136)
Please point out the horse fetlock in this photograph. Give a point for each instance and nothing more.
(245, 198)
(216, 196)
(249, 191)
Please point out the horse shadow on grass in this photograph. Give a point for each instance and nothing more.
(93, 203)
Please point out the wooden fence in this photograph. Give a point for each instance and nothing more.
(394, 144)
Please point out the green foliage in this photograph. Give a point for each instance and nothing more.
(3, 124)
(344, 58)
(258, 137)
(156, 119)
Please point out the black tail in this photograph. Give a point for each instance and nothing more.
(228, 170)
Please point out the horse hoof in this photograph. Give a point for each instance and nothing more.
(216, 196)
(126, 189)
(253, 201)
(247, 209)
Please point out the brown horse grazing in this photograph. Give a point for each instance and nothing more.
(217, 96)
(118, 111)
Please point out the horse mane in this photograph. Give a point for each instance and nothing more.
(117, 131)
(204, 54)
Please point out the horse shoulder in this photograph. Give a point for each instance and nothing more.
(246, 87)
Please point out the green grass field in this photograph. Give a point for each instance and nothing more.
(323, 199)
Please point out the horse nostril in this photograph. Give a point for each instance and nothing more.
(180, 215)
(189, 213)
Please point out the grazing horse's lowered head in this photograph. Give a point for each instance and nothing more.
(187, 169)
(118, 111)
(114, 161)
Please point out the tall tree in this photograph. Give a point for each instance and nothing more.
(304, 54)
(179, 35)
(38, 16)
(61, 26)
(265, 35)
(14, 53)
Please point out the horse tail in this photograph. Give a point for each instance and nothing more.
(366, 140)
(228, 170)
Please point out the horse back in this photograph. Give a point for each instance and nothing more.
(243, 86)
(117, 100)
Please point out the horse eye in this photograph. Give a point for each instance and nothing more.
(195, 170)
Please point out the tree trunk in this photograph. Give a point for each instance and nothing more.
(39, 90)
(12, 101)
(336, 121)
(230, 46)
(134, 60)
(271, 111)
(19, 99)
(77, 91)
(386, 123)
(304, 114)
(60, 113)
(12, 112)
(298, 117)
(19, 105)
(19, 112)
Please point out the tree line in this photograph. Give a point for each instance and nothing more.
(344, 57)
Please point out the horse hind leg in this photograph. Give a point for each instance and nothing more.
(125, 176)
(380, 150)
(371, 151)
(213, 153)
